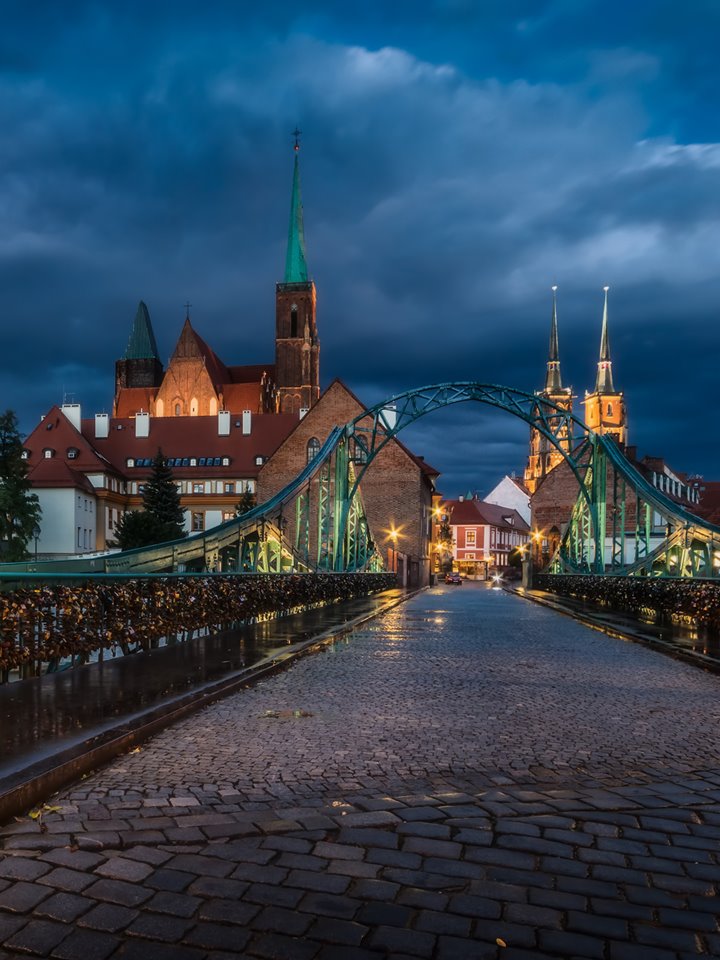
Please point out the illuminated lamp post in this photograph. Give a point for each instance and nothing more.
(393, 549)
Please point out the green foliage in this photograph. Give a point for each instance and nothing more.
(19, 508)
(444, 532)
(246, 503)
(161, 518)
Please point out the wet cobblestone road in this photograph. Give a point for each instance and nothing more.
(469, 776)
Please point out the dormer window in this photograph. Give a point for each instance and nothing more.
(73, 453)
(25, 455)
(48, 453)
(130, 462)
(259, 460)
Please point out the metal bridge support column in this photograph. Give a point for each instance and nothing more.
(340, 511)
(324, 517)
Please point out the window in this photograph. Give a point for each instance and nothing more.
(225, 462)
(202, 461)
(258, 461)
(609, 409)
(313, 448)
(198, 522)
(73, 453)
(470, 538)
(193, 461)
(48, 453)
(293, 321)
(130, 462)
(26, 454)
(198, 488)
(185, 461)
(216, 461)
(229, 486)
(177, 409)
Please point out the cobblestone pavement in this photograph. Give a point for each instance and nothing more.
(469, 776)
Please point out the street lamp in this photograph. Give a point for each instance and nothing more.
(393, 548)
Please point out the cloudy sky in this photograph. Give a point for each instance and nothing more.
(459, 157)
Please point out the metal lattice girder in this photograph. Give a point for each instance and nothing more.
(324, 517)
(302, 524)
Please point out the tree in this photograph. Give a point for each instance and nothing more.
(19, 508)
(246, 503)
(161, 517)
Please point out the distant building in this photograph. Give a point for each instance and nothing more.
(484, 534)
(511, 492)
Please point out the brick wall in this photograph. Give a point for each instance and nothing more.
(395, 490)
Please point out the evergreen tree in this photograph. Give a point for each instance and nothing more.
(19, 508)
(161, 498)
(161, 517)
(246, 503)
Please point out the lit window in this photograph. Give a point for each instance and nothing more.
(470, 538)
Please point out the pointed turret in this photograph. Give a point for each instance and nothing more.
(140, 365)
(553, 380)
(605, 411)
(604, 380)
(295, 264)
(297, 348)
(141, 345)
(544, 456)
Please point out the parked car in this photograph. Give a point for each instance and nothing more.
(453, 578)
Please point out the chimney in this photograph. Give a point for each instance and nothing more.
(223, 423)
(246, 422)
(142, 424)
(102, 426)
(72, 412)
(303, 411)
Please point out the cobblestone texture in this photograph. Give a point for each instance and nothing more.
(469, 776)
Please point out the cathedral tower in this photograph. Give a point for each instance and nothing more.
(141, 366)
(605, 410)
(544, 456)
(297, 348)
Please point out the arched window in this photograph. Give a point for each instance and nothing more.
(313, 448)
(178, 410)
(293, 320)
(609, 409)
(193, 407)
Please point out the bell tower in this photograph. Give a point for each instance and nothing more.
(297, 347)
(544, 456)
(605, 410)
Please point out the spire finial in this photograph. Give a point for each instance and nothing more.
(295, 265)
(604, 383)
(187, 309)
(553, 381)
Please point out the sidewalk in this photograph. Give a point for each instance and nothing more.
(468, 776)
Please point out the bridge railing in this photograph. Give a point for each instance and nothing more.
(45, 625)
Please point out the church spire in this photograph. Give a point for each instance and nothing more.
(141, 345)
(553, 380)
(604, 381)
(295, 265)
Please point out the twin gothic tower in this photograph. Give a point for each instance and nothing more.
(605, 410)
(198, 383)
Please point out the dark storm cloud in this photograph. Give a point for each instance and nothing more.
(458, 158)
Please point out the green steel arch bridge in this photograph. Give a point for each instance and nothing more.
(620, 525)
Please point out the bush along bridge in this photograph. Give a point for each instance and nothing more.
(621, 525)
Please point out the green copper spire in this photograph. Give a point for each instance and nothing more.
(604, 382)
(295, 265)
(553, 380)
(141, 344)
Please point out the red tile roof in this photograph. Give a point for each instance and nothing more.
(477, 512)
(193, 437)
(55, 473)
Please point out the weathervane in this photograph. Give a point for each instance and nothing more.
(296, 133)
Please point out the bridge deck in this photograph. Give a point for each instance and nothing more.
(470, 775)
